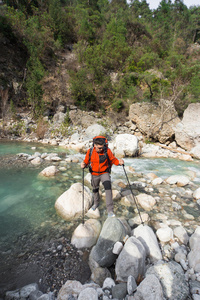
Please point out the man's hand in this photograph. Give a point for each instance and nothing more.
(83, 165)
(121, 162)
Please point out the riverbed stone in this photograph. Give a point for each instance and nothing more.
(180, 180)
(147, 237)
(147, 117)
(194, 254)
(69, 204)
(165, 234)
(131, 285)
(150, 288)
(196, 151)
(113, 230)
(125, 145)
(131, 260)
(196, 194)
(187, 132)
(88, 293)
(95, 130)
(146, 201)
(172, 279)
(181, 234)
(119, 291)
(86, 235)
(99, 275)
(71, 287)
(49, 171)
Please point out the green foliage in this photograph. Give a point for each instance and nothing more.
(117, 105)
(146, 50)
(82, 90)
(34, 86)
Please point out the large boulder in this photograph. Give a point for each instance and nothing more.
(69, 204)
(148, 238)
(194, 254)
(155, 121)
(49, 171)
(131, 260)
(95, 130)
(83, 118)
(125, 145)
(113, 230)
(172, 279)
(86, 235)
(150, 288)
(187, 132)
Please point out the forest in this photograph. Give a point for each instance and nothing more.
(126, 52)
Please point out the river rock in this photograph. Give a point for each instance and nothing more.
(113, 230)
(88, 293)
(131, 260)
(95, 130)
(150, 288)
(146, 201)
(108, 283)
(147, 117)
(131, 285)
(71, 287)
(119, 291)
(181, 234)
(36, 161)
(137, 220)
(180, 180)
(196, 194)
(172, 279)
(196, 151)
(194, 254)
(69, 204)
(22, 293)
(86, 235)
(187, 132)
(147, 237)
(125, 145)
(49, 171)
(157, 181)
(165, 234)
(99, 275)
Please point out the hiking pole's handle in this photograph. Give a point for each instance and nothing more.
(83, 211)
(133, 196)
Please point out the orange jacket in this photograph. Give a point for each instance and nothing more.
(99, 162)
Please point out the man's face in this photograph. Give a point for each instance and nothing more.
(98, 148)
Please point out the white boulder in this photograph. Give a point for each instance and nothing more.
(147, 237)
(49, 171)
(86, 235)
(165, 234)
(146, 201)
(196, 194)
(69, 204)
(125, 145)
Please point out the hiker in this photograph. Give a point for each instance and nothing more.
(100, 159)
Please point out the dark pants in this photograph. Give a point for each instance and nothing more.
(106, 181)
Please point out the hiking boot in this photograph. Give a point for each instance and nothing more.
(94, 207)
(111, 214)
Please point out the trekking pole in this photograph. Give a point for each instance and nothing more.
(83, 198)
(133, 196)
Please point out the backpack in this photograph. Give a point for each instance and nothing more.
(104, 150)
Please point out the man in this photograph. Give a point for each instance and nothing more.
(100, 160)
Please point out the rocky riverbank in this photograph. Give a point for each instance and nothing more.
(170, 209)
